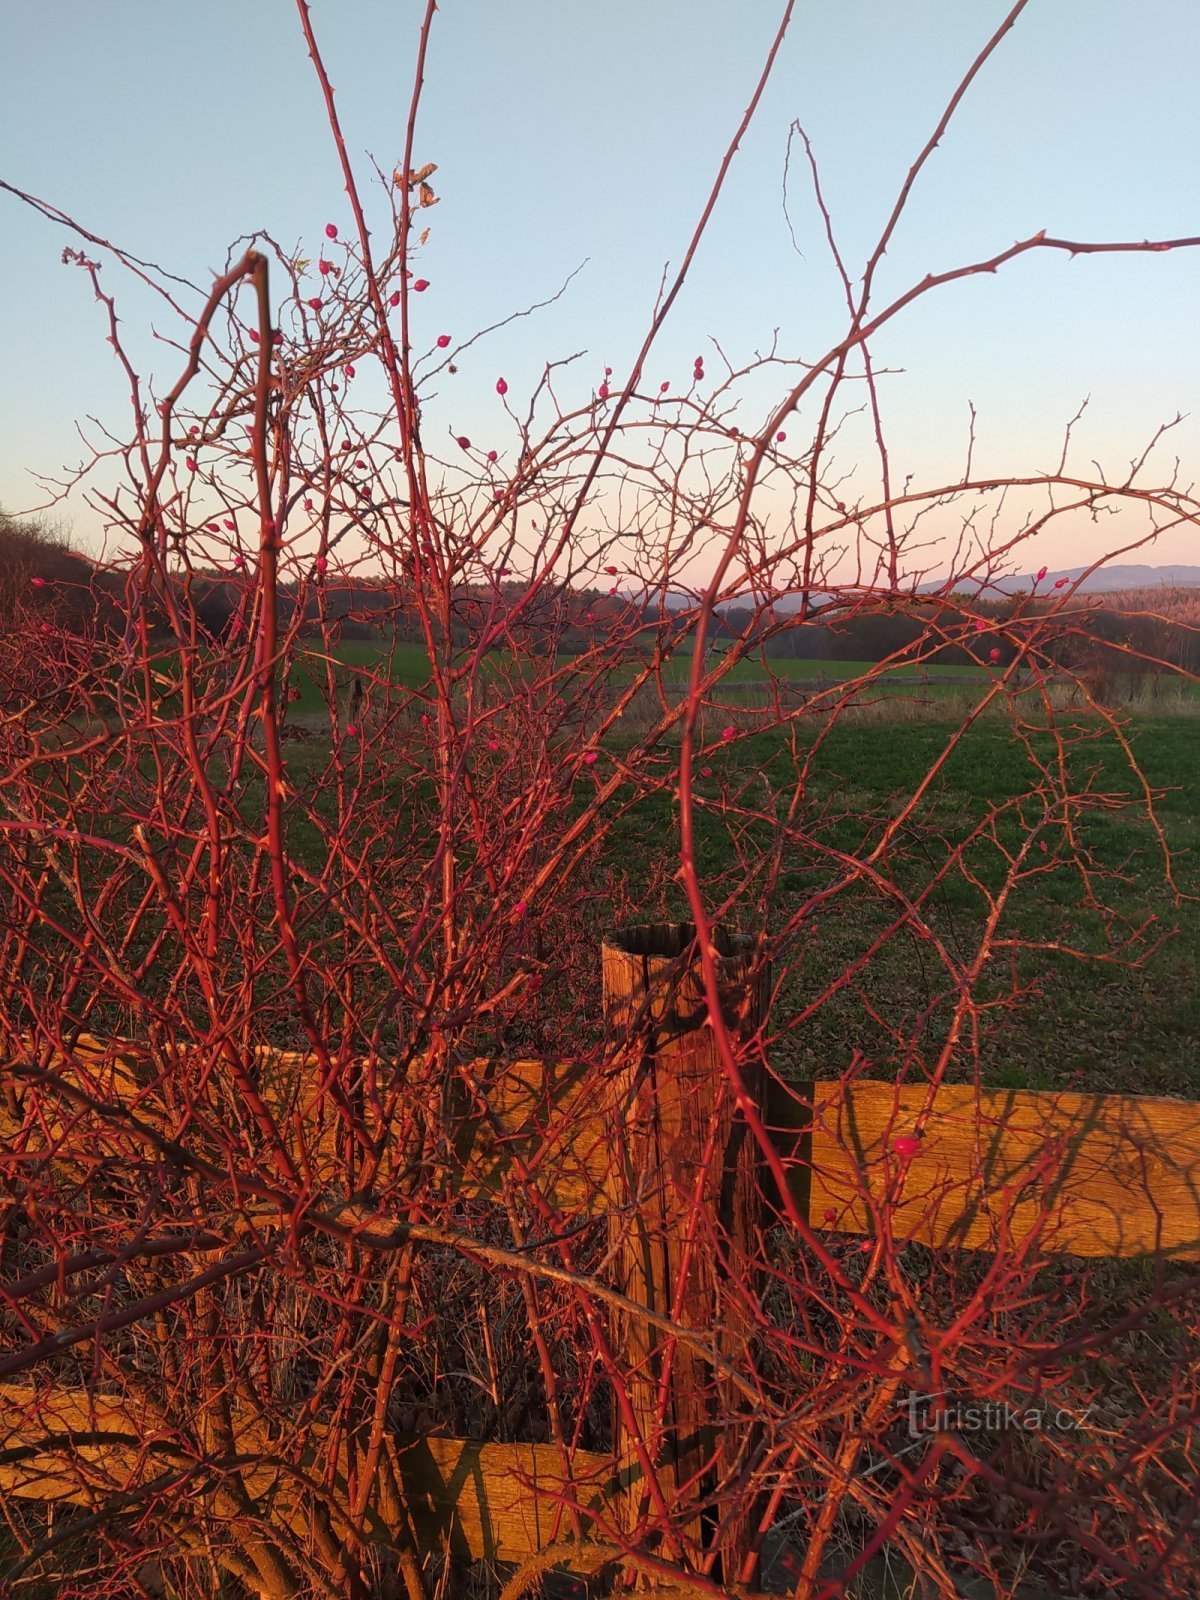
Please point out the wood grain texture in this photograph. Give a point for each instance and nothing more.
(101, 1100)
(686, 1201)
(1094, 1175)
(1121, 1172)
(496, 1502)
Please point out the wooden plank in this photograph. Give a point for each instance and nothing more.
(1125, 1179)
(547, 1113)
(495, 1502)
(1104, 1175)
(686, 1200)
(531, 1112)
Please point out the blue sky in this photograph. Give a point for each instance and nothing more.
(566, 130)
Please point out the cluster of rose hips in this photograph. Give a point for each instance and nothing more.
(326, 268)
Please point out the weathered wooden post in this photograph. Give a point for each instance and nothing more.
(349, 705)
(683, 1163)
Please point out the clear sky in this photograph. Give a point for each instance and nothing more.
(573, 129)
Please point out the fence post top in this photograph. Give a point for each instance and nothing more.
(663, 943)
(652, 971)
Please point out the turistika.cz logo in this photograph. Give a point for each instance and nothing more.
(946, 1413)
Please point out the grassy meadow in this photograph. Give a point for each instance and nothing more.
(1092, 1010)
(1093, 1013)
(407, 665)
(1090, 1016)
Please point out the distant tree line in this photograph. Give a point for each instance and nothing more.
(1132, 633)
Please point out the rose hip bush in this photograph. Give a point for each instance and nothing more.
(263, 966)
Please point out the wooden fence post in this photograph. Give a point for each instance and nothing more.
(685, 1197)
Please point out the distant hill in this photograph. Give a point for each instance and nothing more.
(1112, 579)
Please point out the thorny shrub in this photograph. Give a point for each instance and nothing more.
(265, 975)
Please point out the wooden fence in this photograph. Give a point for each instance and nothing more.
(1095, 1175)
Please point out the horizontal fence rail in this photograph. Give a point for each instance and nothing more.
(1093, 1175)
(481, 1502)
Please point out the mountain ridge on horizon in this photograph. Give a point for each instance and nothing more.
(1114, 579)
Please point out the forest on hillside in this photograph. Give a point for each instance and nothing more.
(1136, 632)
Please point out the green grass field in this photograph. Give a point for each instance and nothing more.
(1098, 1019)
(1090, 1015)
(407, 667)
(1098, 1023)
